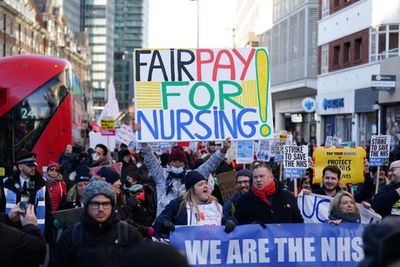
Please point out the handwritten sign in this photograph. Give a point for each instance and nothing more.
(202, 94)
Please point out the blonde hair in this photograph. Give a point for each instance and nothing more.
(335, 203)
(189, 198)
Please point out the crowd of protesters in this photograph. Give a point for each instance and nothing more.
(147, 195)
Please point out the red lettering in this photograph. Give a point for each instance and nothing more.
(230, 66)
(201, 61)
(246, 63)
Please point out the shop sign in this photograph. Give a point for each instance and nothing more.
(383, 82)
(309, 104)
(333, 103)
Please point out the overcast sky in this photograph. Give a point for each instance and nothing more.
(173, 23)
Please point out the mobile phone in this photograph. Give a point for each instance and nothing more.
(23, 205)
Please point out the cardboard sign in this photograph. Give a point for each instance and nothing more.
(295, 161)
(245, 152)
(202, 94)
(277, 150)
(379, 150)
(350, 161)
(227, 184)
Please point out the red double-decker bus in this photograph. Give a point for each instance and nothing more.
(41, 107)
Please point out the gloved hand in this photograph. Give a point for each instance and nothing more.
(168, 226)
(229, 226)
(263, 225)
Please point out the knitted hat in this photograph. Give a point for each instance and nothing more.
(82, 174)
(110, 175)
(244, 172)
(96, 188)
(53, 164)
(192, 178)
(177, 153)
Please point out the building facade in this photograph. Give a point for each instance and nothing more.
(292, 44)
(97, 20)
(131, 32)
(357, 39)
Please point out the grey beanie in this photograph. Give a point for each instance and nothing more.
(96, 188)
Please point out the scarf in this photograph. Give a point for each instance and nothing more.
(52, 181)
(349, 217)
(170, 179)
(264, 193)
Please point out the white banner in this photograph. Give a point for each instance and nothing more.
(315, 209)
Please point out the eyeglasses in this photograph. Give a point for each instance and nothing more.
(393, 168)
(243, 182)
(30, 165)
(96, 204)
(52, 169)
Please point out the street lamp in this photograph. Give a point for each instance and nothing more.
(198, 22)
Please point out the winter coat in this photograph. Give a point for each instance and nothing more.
(160, 175)
(383, 202)
(97, 246)
(23, 247)
(175, 213)
(284, 208)
(230, 206)
(11, 182)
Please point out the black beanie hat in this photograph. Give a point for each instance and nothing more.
(192, 178)
(110, 175)
(82, 174)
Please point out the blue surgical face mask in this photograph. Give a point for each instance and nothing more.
(176, 170)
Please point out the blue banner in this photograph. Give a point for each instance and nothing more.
(278, 245)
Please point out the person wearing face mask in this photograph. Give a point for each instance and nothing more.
(100, 156)
(169, 181)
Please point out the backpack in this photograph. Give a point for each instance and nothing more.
(77, 233)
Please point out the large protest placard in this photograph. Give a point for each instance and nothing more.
(245, 152)
(350, 160)
(379, 150)
(295, 161)
(315, 209)
(202, 94)
(289, 245)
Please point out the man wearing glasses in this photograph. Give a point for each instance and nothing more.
(243, 183)
(26, 187)
(99, 239)
(387, 201)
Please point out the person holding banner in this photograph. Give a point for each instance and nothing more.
(196, 207)
(267, 201)
(343, 209)
(387, 201)
(170, 180)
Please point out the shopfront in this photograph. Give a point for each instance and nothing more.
(337, 115)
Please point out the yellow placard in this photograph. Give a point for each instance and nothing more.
(350, 161)
(108, 124)
(2, 171)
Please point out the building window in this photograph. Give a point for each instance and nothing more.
(357, 49)
(325, 8)
(346, 53)
(384, 42)
(336, 55)
(324, 58)
(336, 3)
